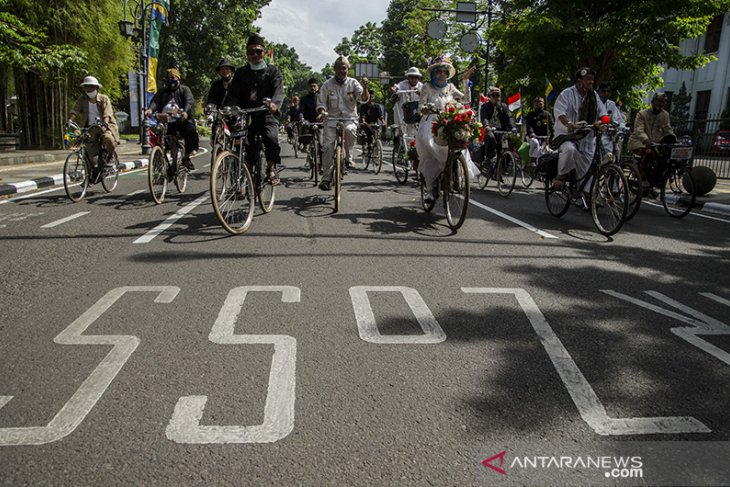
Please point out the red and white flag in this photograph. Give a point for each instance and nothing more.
(514, 102)
(271, 55)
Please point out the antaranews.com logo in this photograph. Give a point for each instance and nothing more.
(622, 467)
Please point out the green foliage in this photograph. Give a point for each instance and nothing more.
(627, 41)
(680, 104)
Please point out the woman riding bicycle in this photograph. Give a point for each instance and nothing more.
(436, 93)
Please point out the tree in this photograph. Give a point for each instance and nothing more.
(680, 105)
(627, 41)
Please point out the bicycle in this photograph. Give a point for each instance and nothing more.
(294, 139)
(235, 182)
(674, 174)
(502, 167)
(373, 150)
(454, 183)
(219, 140)
(79, 169)
(608, 193)
(314, 150)
(165, 159)
(336, 173)
(528, 170)
(615, 136)
(401, 164)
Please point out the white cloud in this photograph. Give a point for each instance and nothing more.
(314, 28)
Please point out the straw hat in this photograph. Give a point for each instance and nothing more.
(441, 62)
(90, 81)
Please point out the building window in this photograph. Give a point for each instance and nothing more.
(712, 37)
(702, 107)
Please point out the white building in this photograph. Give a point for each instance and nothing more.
(709, 86)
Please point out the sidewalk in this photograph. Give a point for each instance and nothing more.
(27, 170)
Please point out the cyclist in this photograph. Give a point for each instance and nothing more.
(176, 99)
(219, 87)
(371, 113)
(293, 117)
(576, 103)
(339, 97)
(496, 115)
(436, 93)
(412, 82)
(308, 108)
(652, 126)
(539, 123)
(90, 106)
(251, 84)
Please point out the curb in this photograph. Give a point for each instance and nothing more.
(716, 208)
(49, 181)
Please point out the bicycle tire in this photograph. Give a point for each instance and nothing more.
(110, 174)
(400, 164)
(678, 192)
(456, 192)
(485, 174)
(231, 193)
(157, 175)
(527, 174)
(426, 206)
(337, 176)
(367, 154)
(295, 145)
(634, 185)
(506, 174)
(609, 199)
(557, 200)
(75, 175)
(265, 191)
(378, 155)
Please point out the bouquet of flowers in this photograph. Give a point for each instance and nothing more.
(411, 153)
(456, 126)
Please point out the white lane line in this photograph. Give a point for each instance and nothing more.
(137, 192)
(147, 237)
(695, 213)
(512, 219)
(64, 220)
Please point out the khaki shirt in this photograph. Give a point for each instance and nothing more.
(649, 126)
(104, 104)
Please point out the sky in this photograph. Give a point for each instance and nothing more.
(315, 27)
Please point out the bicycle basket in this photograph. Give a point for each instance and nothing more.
(547, 165)
(410, 112)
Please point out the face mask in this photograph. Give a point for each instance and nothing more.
(92, 94)
(260, 65)
(173, 84)
(226, 78)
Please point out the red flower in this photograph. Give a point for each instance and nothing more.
(413, 143)
(452, 109)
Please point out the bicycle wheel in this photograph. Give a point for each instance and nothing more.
(506, 173)
(231, 190)
(426, 206)
(110, 174)
(557, 200)
(678, 191)
(456, 191)
(527, 173)
(485, 173)
(337, 176)
(400, 164)
(633, 183)
(157, 175)
(75, 176)
(265, 191)
(377, 156)
(367, 154)
(295, 145)
(609, 199)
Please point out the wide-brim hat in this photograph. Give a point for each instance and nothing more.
(441, 62)
(413, 71)
(90, 81)
(224, 63)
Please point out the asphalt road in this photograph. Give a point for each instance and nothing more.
(368, 347)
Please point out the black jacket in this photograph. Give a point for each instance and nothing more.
(216, 94)
(249, 88)
(308, 107)
(182, 95)
(505, 117)
(536, 122)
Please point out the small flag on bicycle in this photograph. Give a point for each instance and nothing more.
(514, 102)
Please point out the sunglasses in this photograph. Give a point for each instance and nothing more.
(255, 51)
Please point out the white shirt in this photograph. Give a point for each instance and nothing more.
(440, 97)
(405, 85)
(568, 103)
(340, 100)
(615, 113)
(93, 114)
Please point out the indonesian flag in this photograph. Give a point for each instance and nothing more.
(271, 55)
(514, 102)
(482, 98)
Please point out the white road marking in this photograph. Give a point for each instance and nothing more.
(584, 397)
(368, 328)
(529, 227)
(693, 212)
(149, 236)
(64, 220)
(701, 324)
(86, 396)
(136, 192)
(184, 426)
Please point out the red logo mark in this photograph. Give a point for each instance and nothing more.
(488, 462)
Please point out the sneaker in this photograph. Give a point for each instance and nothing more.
(186, 162)
(429, 198)
(324, 185)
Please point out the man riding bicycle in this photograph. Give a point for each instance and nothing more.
(339, 97)
(251, 84)
(90, 106)
(176, 100)
(539, 125)
(652, 126)
(408, 91)
(308, 109)
(496, 115)
(371, 113)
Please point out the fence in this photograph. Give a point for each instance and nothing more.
(711, 142)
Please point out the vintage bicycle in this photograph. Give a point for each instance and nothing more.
(313, 132)
(238, 177)
(80, 168)
(401, 164)
(502, 168)
(165, 163)
(671, 172)
(336, 173)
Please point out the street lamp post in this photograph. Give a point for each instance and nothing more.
(136, 29)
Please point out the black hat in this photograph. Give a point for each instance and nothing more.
(582, 72)
(225, 63)
(255, 40)
(604, 85)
